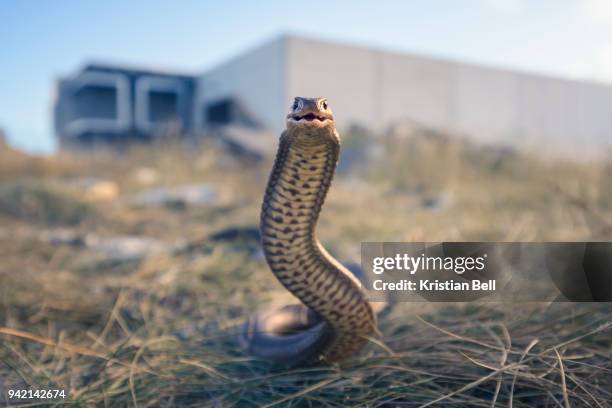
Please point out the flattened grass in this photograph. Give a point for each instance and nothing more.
(161, 331)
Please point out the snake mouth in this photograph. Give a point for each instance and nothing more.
(310, 117)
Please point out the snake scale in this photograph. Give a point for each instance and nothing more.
(335, 317)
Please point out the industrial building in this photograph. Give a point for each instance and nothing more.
(105, 104)
(372, 88)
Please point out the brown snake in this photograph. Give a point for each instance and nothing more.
(336, 317)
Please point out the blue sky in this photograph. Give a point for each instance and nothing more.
(41, 40)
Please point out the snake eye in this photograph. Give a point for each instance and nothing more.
(296, 105)
(324, 104)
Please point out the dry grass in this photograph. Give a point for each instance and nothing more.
(159, 331)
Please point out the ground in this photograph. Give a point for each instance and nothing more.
(125, 299)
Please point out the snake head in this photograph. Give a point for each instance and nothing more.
(310, 113)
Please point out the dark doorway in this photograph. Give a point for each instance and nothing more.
(229, 111)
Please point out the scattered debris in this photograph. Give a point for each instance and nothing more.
(247, 233)
(409, 189)
(438, 202)
(146, 176)
(97, 189)
(128, 248)
(116, 249)
(63, 236)
(246, 238)
(190, 194)
(247, 142)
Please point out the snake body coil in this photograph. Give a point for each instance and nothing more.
(337, 316)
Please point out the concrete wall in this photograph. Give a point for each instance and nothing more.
(416, 88)
(348, 76)
(484, 103)
(255, 80)
(376, 88)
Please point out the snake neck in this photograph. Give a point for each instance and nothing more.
(296, 191)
